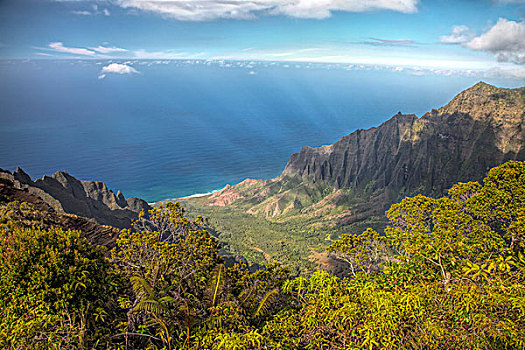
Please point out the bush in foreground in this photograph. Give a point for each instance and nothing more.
(57, 290)
(447, 274)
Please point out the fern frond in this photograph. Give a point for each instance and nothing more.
(153, 305)
(217, 283)
(245, 294)
(265, 301)
(141, 286)
(166, 300)
(149, 305)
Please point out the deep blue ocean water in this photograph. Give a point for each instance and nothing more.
(183, 127)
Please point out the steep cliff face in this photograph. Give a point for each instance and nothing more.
(478, 129)
(366, 171)
(89, 199)
(43, 216)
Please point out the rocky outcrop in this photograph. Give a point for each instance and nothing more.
(477, 130)
(480, 128)
(228, 194)
(89, 199)
(40, 215)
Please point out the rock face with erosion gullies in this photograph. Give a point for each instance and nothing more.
(366, 171)
(89, 199)
(36, 213)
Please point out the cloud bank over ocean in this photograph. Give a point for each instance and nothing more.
(242, 9)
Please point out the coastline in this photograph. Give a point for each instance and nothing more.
(196, 195)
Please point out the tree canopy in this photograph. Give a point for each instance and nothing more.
(447, 273)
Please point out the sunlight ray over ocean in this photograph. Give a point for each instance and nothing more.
(160, 129)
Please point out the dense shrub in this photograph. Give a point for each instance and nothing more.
(56, 290)
(447, 273)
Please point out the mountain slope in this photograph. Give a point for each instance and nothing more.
(347, 186)
(366, 171)
(89, 199)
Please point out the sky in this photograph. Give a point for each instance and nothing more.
(440, 35)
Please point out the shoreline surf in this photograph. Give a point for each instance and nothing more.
(196, 195)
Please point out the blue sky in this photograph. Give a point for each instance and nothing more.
(446, 35)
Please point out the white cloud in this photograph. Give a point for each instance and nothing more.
(59, 47)
(117, 68)
(518, 74)
(101, 76)
(323, 8)
(509, 1)
(191, 10)
(82, 13)
(459, 35)
(44, 54)
(199, 10)
(94, 11)
(104, 49)
(143, 54)
(221, 58)
(506, 40)
(99, 51)
(167, 54)
(390, 42)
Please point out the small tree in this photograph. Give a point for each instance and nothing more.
(168, 259)
(362, 252)
(437, 235)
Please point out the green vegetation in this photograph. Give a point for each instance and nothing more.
(449, 273)
(290, 243)
(57, 291)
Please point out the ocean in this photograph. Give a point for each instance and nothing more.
(178, 128)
